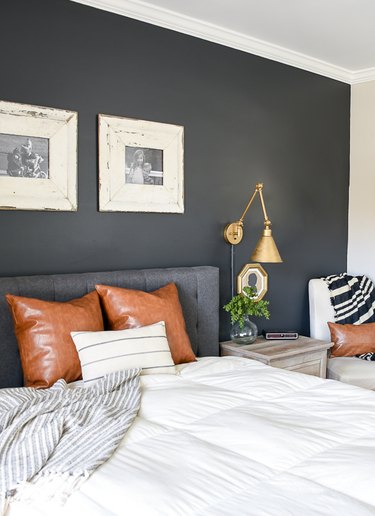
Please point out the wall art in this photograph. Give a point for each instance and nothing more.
(38, 158)
(253, 275)
(141, 165)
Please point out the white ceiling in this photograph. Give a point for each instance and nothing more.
(335, 38)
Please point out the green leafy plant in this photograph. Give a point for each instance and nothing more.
(243, 304)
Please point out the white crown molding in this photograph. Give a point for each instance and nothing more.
(161, 17)
(366, 75)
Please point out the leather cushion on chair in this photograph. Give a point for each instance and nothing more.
(352, 339)
(126, 308)
(43, 331)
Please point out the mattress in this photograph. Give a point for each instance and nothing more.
(230, 436)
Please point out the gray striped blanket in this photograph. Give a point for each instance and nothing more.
(52, 440)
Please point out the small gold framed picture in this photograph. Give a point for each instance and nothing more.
(253, 275)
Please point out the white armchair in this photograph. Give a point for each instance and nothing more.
(344, 369)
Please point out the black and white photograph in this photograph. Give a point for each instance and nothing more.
(143, 166)
(24, 156)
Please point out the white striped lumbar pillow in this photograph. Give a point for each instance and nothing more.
(103, 352)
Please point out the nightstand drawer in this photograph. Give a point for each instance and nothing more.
(315, 368)
(313, 363)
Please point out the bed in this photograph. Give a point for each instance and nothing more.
(224, 436)
(350, 370)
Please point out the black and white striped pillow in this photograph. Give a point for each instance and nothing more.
(103, 352)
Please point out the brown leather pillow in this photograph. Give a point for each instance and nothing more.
(126, 308)
(43, 331)
(352, 339)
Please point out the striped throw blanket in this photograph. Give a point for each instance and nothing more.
(353, 300)
(52, 440)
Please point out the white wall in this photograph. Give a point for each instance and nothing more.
(361, 238)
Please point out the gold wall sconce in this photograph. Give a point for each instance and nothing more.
(265, 251)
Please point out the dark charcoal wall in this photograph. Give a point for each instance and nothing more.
(246, 120)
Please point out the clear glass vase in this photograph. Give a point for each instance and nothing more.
(245, 335)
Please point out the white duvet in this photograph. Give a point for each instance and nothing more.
(229, 437)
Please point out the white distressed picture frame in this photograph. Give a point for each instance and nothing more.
(115, 194)
(59, 190)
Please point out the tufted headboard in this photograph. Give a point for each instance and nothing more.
(198, 289)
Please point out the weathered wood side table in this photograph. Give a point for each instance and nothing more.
(304, 355)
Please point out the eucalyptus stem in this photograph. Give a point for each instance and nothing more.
(244, 304)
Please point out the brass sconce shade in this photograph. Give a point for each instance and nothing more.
(265, 250)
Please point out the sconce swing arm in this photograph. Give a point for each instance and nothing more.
(233, 232)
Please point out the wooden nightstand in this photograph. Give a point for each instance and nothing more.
(304, 355)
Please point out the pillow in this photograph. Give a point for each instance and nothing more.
(103, 352)
(352, 339)
(127, 308)
(43, 331)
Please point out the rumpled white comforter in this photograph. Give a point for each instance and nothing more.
(229, 437)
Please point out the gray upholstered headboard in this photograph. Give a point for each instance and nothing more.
(198, 289)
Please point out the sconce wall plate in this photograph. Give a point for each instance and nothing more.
(233, 233)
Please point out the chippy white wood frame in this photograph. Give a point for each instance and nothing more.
(115, 194)
(59, 190)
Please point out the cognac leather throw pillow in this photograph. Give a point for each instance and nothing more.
(43, 329)
(126, 308)
(352, 339)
